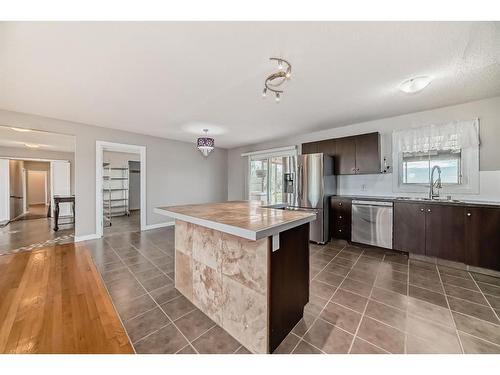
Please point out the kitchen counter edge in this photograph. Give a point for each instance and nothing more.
(248, 234)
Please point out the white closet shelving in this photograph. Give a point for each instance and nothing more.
(115, 192)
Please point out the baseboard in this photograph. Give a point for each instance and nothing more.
(159, 225)
(87, 237)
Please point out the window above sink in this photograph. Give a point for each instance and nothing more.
(454, 147)
(417, 167)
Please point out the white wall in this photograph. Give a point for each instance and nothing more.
(16, 188)
(4, 191)
(176, 171)
(36, 187)
(487, 110)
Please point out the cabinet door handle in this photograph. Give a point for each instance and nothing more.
(422, 209)
(340, 217)
(469, 214)
(429, 210)
(340, 230)
(340, 204)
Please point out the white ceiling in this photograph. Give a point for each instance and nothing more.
(44, 140)
(172, 79)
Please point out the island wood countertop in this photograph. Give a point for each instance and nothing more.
(246, 219)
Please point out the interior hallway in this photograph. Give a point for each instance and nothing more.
(35, 211)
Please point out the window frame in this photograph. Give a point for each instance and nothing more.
(469, 175)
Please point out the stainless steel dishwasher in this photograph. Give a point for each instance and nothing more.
(372, 223)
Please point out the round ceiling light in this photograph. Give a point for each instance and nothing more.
(22, 130)
(32, 145)
(415, 84)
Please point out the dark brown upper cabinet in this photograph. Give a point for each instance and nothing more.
(367, 153)
(482, 237)
(345, 156)
(310, 148)
(358, 154)
(327, 146)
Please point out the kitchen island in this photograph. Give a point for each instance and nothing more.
(245, 266)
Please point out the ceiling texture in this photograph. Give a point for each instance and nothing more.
(172, 79)
(43, 141)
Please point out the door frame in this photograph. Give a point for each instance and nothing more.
(102, 146)
(25, 190)
(24, 185)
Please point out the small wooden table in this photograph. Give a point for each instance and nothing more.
(62, 199)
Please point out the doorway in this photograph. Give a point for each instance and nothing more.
(34, 166)
(120, 188)
(36, 199)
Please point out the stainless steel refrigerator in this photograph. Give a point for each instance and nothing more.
(315, 183)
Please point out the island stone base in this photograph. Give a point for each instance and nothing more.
(228, 278)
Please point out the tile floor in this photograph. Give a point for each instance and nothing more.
(362, 301)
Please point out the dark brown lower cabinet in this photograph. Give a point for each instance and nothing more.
(340, 218)
(469, 235)
(482, 237)
(444, 232)
(409, 227)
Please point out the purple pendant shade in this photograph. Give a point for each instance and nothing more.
(205, 145)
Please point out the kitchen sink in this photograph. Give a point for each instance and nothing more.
(429, 199)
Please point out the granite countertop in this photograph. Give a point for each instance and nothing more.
(460, 202)
(246, 219)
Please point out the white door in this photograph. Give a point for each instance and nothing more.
(61, 184)
(4, 191)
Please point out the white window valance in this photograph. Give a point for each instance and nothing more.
(455, 135)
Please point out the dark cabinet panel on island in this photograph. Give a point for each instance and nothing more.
(482, 237)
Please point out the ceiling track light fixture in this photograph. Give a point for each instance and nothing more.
(275, 80)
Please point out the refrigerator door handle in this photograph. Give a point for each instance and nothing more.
(299, 185)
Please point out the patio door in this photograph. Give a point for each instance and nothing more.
(266, 178)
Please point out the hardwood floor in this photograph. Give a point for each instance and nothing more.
(53, 301)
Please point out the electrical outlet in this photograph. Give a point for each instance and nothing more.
(363, 187)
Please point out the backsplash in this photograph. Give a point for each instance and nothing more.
(381, 185)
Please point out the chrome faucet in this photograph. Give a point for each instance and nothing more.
(436, 184)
